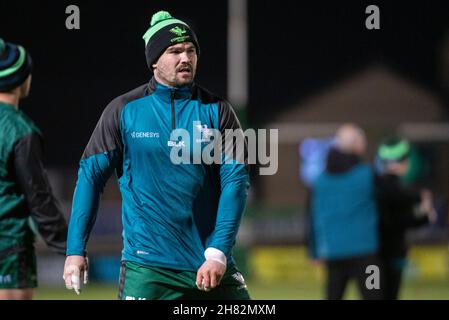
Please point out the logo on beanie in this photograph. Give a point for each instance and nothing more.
(180, 34)
(178, 31)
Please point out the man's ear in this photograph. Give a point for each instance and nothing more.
(24, 88)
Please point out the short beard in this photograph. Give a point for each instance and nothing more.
(183, 82)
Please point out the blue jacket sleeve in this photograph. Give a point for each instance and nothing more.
(234, 181)
(92, 177)
(101, 157)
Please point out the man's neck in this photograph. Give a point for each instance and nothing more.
(10, 98)
(160, 81)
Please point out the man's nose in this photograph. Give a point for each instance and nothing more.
(185, 57)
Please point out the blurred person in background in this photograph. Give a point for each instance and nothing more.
(313, 156)
(400, 208)
(25, 191)
(344, 217)
(180, 221)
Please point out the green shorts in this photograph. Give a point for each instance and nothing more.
(139, 282)
(18, 268)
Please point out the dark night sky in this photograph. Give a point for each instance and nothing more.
(317, 43)
(296, 49)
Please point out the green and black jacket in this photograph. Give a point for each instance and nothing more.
(24, 188)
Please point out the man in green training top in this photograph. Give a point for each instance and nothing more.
(180, 220)
(24, 188)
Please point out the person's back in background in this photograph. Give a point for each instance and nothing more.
(344, 215)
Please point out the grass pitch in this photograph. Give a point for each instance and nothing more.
(411, 290)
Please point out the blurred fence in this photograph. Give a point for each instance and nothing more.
(269, 248)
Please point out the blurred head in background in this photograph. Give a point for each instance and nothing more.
(350, 139)
(393, 154)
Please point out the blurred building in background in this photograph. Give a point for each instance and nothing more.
(379, 100)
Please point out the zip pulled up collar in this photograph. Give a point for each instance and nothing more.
(167, 93)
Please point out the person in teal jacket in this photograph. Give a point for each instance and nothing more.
(180, 218)
(344, 215)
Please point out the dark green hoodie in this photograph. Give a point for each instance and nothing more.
(24, 188)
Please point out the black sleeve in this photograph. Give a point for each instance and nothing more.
(419, 221)
(236, 137)
(396, 204)
(405, 201)
(33, 180)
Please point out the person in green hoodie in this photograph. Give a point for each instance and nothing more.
(26, 199)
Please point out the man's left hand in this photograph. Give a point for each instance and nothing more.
(209, 275)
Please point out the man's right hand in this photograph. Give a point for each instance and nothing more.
(75, 270)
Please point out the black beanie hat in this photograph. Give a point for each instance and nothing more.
(164, 32)
(15, 66)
